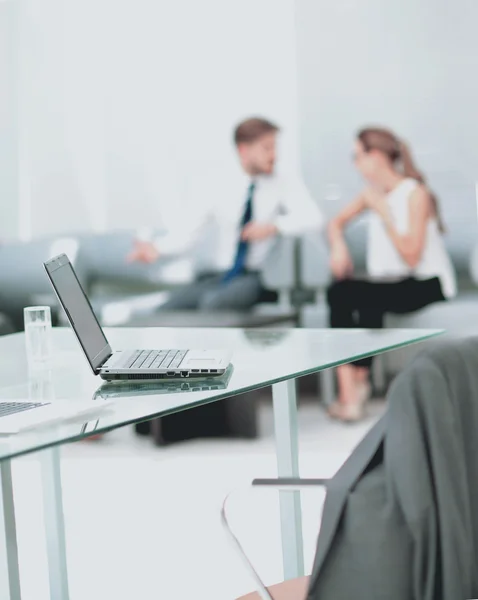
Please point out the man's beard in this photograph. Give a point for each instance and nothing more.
(258, 170)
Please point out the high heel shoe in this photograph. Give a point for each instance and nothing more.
(351, 412)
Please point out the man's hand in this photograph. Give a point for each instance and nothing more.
(143, 252)
(256, 232)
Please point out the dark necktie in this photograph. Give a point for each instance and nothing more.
(239, 265)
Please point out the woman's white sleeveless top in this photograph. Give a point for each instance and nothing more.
(383, 259)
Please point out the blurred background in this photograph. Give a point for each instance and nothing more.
(400, 64)
(112, 111)
(114, 105)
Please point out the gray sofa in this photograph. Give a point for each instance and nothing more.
(6, 325)
(458, 317)
(122, 292)
(23, 281)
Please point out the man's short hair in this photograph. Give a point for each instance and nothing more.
(252, 129)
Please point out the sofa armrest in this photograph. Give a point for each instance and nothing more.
(314, 262)
(473, 265)
(21, 267)
(103, 257)
(279, 271)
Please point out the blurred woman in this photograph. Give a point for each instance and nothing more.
(407, 263)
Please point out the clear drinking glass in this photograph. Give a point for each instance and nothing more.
(40, 385)
(38, 335)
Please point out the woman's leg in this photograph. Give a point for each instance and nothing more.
(364, 304)
(341, 315)
(341, 305)
(370, 315)
(348, 379)
(414, 294)
(345, 300)
(401, 297)
(357, 304)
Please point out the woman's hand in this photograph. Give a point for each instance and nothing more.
(341, 263)
(376, 201)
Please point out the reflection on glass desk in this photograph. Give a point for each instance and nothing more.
(90, 427)
(130, 389)
(264, 338)
(261, 358)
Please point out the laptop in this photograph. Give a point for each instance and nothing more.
(17, 415)
(117, 365)
(109, 391)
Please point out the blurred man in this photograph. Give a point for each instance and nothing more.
(248, 221)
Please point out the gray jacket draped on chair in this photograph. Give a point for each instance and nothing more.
(400, 519)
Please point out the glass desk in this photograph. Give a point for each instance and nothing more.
(261, 358)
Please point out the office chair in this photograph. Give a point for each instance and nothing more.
(294, 589)
(400, 517)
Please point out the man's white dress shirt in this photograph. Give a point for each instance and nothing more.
(283, 201)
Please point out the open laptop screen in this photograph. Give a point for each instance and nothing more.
(78, 310)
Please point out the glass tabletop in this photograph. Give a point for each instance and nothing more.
(261, 357)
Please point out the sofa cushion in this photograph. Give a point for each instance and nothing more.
(457, 316)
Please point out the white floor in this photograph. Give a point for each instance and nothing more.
(143, 522)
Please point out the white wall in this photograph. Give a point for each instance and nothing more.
(127, 108)
(8, 148)
(408, 65)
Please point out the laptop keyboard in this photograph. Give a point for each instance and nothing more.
(156, 359)
(10, 408)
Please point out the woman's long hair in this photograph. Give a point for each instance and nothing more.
(376, 138)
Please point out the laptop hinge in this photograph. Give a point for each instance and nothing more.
(98, 370)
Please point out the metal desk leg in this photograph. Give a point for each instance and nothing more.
(327, 386)
(9, 570)
(287, 449)
(54, 523)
